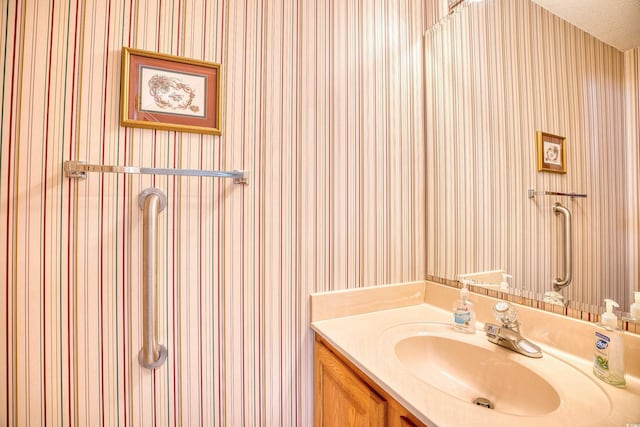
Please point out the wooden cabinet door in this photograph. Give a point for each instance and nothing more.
(400, 417)
(342, 399)
(406, 422)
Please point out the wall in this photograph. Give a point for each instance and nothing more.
(632, 156)
(322, 104)
(497, 72)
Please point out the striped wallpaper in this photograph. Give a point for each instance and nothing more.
(496, 72)
(323, 104)
(632, 157)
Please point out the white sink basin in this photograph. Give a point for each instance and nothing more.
(469, 372)
(468, 367)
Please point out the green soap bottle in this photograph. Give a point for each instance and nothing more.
(608, 363)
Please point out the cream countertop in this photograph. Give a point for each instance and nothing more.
(354, 322)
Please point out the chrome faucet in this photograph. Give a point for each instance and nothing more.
(507, 334)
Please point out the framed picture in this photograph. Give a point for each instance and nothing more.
(169, 92)
(552, 155)
(453, 4)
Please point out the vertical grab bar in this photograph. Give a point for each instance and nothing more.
(559, 283)
(152, 355)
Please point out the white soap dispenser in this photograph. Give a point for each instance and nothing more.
(635, 307)
(608, 363)
(464, 314)
(504, 285)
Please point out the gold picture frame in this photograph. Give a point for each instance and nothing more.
(170, 92)
(453, 4)
(552, 155)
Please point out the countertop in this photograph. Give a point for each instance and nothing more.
(359, 324)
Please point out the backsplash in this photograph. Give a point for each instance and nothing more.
(625, 325)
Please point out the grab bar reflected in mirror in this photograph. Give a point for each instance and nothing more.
(152, 355)
(560, 283)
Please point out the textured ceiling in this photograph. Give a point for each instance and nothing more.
(615, 22)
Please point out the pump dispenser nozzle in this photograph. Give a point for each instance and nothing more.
(464, 292)
(608, 317)
(504, 285)
(635, 307)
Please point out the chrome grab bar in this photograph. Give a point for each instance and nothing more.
(559, 283)
(152, 355)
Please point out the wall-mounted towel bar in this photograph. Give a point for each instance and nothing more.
(532, 193)
(78, 170)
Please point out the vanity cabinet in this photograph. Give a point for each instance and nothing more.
(346, 397)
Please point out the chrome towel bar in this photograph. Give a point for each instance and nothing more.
(78, 170)
(532, 193)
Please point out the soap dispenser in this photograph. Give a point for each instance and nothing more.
(635, 307)
(608, 363)
(464, 314)
(504, 285)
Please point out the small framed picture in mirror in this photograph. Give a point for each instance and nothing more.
(552, 156)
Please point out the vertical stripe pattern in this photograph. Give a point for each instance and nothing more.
(632, 156)
(497, 72)
(322, 103)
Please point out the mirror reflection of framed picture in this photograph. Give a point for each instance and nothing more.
(552, 156)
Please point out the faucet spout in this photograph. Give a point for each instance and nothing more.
(508, 334)
(511, 340)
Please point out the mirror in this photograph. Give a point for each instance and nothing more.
(496, 73)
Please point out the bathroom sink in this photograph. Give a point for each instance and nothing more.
(470, 369)
(478, 375)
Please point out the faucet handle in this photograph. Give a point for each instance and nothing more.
(492, 330)
(505, 313)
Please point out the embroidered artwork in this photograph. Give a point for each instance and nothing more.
(552, 153)
(163, 91)
(171, 93)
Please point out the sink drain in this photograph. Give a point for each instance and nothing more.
(484, 402)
